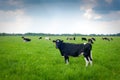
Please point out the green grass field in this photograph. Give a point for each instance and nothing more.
(40, 60)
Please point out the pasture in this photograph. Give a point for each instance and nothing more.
(40, 60)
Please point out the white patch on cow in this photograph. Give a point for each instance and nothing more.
(67, 61)
(57, 41)
(86, 62)
(47, 38)
(81, 54)
(90, 62)
(24, 40)
(84, 43)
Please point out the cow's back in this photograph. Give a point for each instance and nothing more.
(72, 49)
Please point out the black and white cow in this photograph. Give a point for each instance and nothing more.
(40, 37)
(84, 39)
(71, 49)
(90, 41)
(47, 38)
(70, 38)
(26, 39)
(93, 38)
(105, 38)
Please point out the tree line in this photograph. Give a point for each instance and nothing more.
(48, 34)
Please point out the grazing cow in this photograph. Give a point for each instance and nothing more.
(47, 38)
(26, 39)
(84, 39)
(105, 38)
(40, 37)
(70, 38)
(90, 41)
(93, 39)
(71, 49)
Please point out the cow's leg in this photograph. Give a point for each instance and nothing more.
(90, 58)
(86, 60)
(66, 59)
(86, 57)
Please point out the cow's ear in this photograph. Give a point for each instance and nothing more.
(54, 41)
(62, 40)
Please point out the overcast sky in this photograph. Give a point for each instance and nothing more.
(60, 16)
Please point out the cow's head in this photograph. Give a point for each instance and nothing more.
(58, 43)
(90, 41)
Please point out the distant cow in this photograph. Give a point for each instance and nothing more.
(70, 38)
(105, 38)
(90, 41)
(71, 49)
(26, 39)
(47, 38)
(93, 39)
(84, 39)
(40, 37)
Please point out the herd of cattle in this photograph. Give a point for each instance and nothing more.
(72, 49)
(70, 38)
